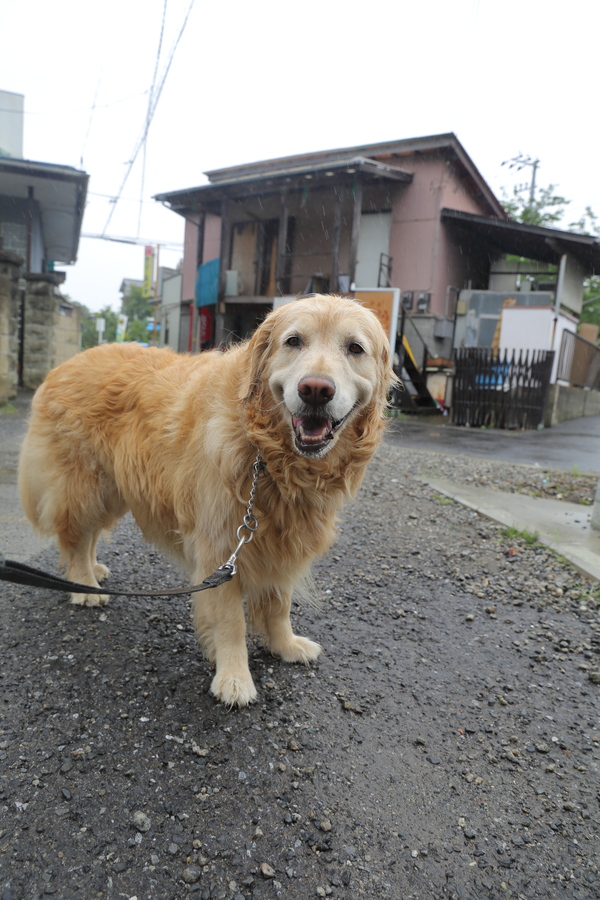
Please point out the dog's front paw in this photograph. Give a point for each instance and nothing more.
(101, 571)
(88, 599)
(299, 649)
(234, 688)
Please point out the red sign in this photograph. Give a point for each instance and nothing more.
(206, 323)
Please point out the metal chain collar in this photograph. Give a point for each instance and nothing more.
(245, 532)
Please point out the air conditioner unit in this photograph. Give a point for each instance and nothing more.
(407, 299)
(232, 283)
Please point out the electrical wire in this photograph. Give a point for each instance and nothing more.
(149, 114)
(92, 111)
(149, 117)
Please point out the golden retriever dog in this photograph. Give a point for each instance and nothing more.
(173, 438)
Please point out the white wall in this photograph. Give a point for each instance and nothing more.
(533, 328)
(170, 311)
(571, 276)
(374, 239)
(11, 124)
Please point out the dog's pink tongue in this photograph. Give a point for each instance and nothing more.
(311, 430)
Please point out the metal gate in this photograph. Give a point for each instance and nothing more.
(501, 389)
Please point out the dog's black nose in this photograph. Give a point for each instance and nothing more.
(316, 390)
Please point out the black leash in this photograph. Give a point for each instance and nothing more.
(19, 573)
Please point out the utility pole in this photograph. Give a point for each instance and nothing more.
(519, 162)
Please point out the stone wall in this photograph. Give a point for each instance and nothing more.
(52, 328)
(67, 333)
(9, 313)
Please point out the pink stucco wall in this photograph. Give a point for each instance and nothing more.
(210, 250)
(212, 237)
(427, 254)
(190, 243)
(425, 257)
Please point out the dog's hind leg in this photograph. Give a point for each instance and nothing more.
(79, 553)
(221, 628)
(78, 536)
(275, 618)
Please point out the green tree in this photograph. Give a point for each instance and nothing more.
(137, 331)
(110, 325)
(135, 306)
(546, 209)
(89, 334)
(591, 300)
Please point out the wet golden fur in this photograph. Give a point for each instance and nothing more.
(173, 439)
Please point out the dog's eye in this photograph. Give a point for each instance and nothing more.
(293, 341)
(355, 348)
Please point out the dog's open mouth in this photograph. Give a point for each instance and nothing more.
(313, 433)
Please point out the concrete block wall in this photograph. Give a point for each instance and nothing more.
(566, 403)
(10, 264)
(67, 334)
(52, 328)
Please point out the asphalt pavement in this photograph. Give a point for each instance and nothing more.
(445, 745)
(572, 445)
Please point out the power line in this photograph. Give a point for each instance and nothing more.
(149, 117)
(149, 112)
(92, 111)
(125, 199)
(136, 241)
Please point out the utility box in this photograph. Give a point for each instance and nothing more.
(443, 328)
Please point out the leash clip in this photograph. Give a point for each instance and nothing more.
(250, 523)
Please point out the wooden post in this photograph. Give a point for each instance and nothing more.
(281, 244)
(356, 214)
(259, 258)
(200, 239)
(225, 251)
(194, 321)
(224, 256)
(335, 239)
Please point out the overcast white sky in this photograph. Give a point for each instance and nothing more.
(262, 79)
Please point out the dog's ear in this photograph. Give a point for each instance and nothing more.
(255, 359)
(386, 378)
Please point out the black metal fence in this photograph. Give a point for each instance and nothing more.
(501, 389)
(578, 362)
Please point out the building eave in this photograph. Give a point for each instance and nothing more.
(60, 193)
(529, 241)
(290, 178)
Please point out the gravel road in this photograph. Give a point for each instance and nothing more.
(446, 745)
